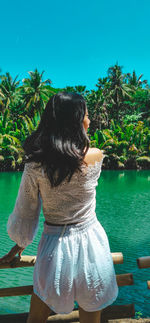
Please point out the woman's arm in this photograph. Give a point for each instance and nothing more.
(11, 254)
(23, 222)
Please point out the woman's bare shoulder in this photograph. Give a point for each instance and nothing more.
(93, 155)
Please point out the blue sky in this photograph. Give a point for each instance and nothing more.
(74, 42)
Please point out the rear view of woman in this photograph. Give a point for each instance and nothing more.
(74, 262)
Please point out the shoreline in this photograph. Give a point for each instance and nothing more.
(138, 170)
(103, 169)
(140, 320)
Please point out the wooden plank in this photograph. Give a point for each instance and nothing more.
(23, 261)
(148, 284)
(16, 291)
(124, 279)
(14, 318)
(117, 257)
(143, 262)
(118, 312)
(110, 312)
(71, 317)
(57, 318)
(29, 261)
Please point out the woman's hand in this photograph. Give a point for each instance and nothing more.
(11, 254)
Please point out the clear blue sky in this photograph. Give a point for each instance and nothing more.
(75, 42)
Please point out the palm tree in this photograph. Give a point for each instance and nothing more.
(117, 91)
(124, 146)
(102, 83)
(77, 89)
(11, 151)
(134, 80)
(97, 110)
(8, 90)
(36, 93)
(12, 135)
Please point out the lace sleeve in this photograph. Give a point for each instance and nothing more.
(22, 224)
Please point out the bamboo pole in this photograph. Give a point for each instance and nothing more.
(110, 312)
(23, 261)
(16, 291)
(71, 317)
(143, 262)
(117, 257)
(148, 284)
(29, 261)
(122, 280)
(118, 312)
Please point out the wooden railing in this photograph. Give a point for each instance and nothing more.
(144, 262)
(111, 312)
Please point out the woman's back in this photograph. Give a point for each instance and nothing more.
(70, 202)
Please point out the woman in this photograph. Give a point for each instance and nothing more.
(74, 262)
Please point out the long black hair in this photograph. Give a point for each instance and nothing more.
(60, 141)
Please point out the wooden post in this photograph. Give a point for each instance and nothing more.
(143, 262)
(23, 261)
(118, 312)
(122, 280)
(29, 261)
(111, 312)
(148, 284)
(16, 291)
(117, 257)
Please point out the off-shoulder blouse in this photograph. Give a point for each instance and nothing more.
(70, 202)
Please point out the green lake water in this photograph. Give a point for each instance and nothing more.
(123, 208)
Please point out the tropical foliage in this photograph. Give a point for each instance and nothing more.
(119, 110)
(125, 147)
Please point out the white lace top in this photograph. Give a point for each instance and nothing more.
(67, 203)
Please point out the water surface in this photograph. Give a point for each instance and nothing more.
(123, 208)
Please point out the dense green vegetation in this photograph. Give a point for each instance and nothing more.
(119, 111)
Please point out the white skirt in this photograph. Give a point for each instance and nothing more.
(74, 263)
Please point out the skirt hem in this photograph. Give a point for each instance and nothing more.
(101, 307)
